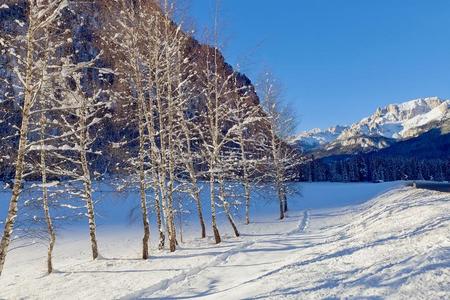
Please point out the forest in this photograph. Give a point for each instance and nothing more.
(373, 168)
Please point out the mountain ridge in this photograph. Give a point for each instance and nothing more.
(385, 127)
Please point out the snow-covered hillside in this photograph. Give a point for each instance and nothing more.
(395, 245)
(393, 122)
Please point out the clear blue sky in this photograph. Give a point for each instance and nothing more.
(338, 60)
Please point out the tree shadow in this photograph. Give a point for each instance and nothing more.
(117, 271)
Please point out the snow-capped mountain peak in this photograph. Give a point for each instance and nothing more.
(396, 120)
(315, 138)
(392, 122)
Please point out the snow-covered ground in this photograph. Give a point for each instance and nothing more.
(339, 241)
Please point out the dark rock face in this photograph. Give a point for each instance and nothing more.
(85, 21)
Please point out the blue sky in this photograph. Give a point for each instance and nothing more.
(338, 60)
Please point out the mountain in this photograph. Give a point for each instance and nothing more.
(384, 128)
(317, 138)
(425, 157)
(432, 144)
(399, 121)
(86, 22)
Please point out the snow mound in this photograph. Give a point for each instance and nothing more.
(395, 246)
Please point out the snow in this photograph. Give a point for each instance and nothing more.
(316, 137)
(397, 121)
(47, 185)
(394, 120)
(19, 22)
(438, 113)
(340, 241)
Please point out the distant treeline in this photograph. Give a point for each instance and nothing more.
(366, 168)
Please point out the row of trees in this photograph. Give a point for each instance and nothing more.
(195, 119)
(374, 168)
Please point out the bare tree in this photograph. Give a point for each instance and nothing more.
(31, 70)
(154, 45)
(246, 116)
(45, 197)
(280, 125)
(189, 158)
(135, 29)
(85, 108)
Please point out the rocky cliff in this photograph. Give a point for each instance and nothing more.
(86, 22)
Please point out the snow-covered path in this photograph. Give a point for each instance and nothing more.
(254, 257)
(395, 245)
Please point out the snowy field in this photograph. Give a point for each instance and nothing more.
(340, 241)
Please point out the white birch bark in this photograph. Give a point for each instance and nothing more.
(39, 18)
(86, 176)
(45, 198)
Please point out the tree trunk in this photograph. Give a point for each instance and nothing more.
(199, 211)
(170, 217)
(13, 204)
(87, 181)
(162, 169)
(48, 219)
(91, 218)
(190, 167)
(142, 188)
(170, 146)
(230, 219)
(278, 173)
(171, 223)
(213, 209)
(28, 99)
(162, 237)
(247, 201)
(226, 207)
(147, 114)
(246, 181)
(280, 198)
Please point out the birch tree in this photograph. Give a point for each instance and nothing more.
(189, 158)
(153, 43)
(279, 124)
(30, 53)
(188, 140)
(219, 92)
(247, 117)
(168, 154)
(134, 29)
(85, 107)
(167, 64)
(45, 193)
